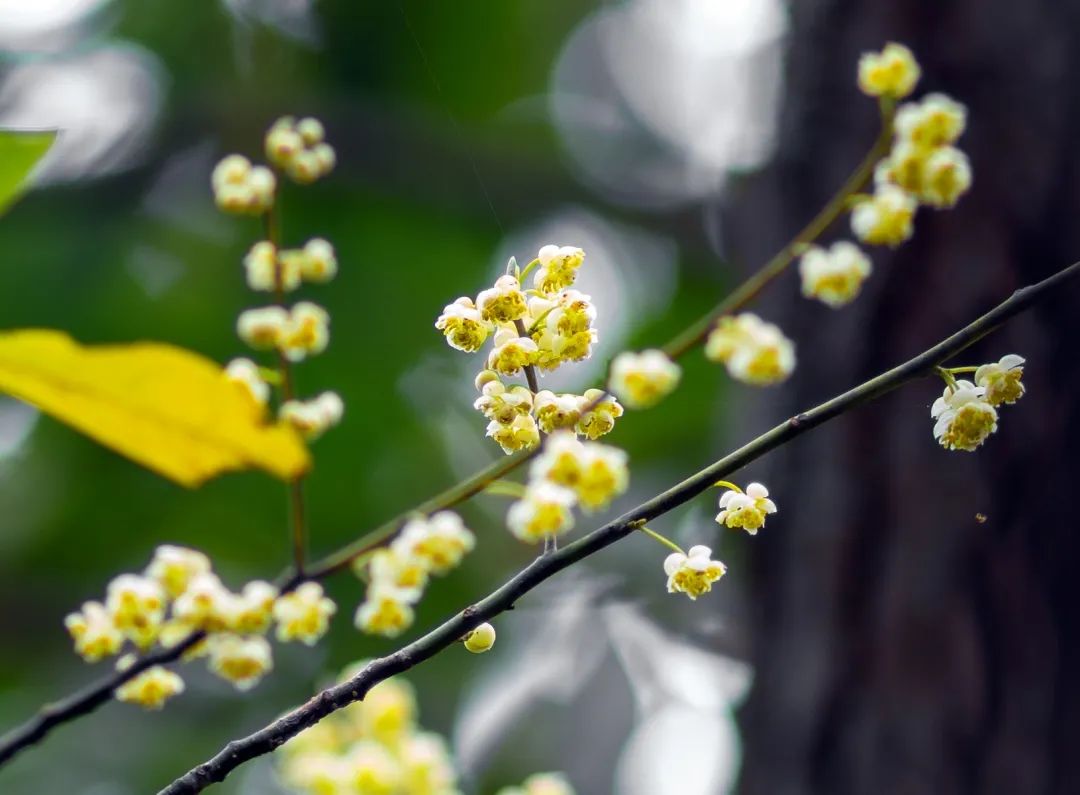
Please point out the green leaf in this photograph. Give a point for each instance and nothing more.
(20, 151)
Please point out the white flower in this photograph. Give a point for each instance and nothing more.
(746, 511)
(604, 476)
(511, 352)
(262, 328)
(390, 566)
(319, 263)
(544, 511)
(693, 573)
(298, 149)
(242, 188)
(643, 379)
(260, 266)
(480, 639)
(893, 72)
(600, 412)
(137, 606)
(522, 433)
(94, 632)
(463, 326)
(753, 351)
(386, 611)
(834, 276)
(304, 614)
(307, 331)
(964, 418)
(500, 404)
(312, 418)
(151, 688)
(1001, 380)
(428, 766)
(886, 218)
(556, 411)
(937, 120)
(246, 373)
(946, 177)
(205, 604)
(373, 769)
(174, 567)
(558, 267)
(502, 303)
(440, 541)
(243, 661)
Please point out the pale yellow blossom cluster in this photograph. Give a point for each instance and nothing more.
(397, 574)
(535, 329)
(694, 572)
(298, 150)
(924, 167)
(967, 413)
(754, 352)
(643, 379)
(568, 472)
(374, 746)
(178, 594)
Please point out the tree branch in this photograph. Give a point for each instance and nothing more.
(275, 734)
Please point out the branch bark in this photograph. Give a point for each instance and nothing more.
(278, 732)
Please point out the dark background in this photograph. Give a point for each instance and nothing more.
(897, 645)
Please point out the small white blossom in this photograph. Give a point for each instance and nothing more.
(964, 418)
(386, 611)
(753, 351)
(886, 218)
(544, 511)
(262, 328)
(946, 177)
(304, 614)
(149, 689)
(746, 511)
(834, 276)
(439, 541)
(463, 326)
(502, 303)
(500, 404)
(556, 411)
(522, 433)
(643, 379)
(511, 353)
(1001, 380)
(558, 267)
(936, 120)
(319, 262)
(137, 606)
(893, 72)
(693, 573)
(94, 633)
(174, 567)
(600, 410)
(313, 417)
(242, 188)
(241, 660)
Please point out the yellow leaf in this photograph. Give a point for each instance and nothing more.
(171, 410)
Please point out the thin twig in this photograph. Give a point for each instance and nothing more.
(530, 370)
(279, 731)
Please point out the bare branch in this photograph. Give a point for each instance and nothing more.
(275, 734)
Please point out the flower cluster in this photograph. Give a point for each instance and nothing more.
(754, 352)
(966, 413)
(532, 329)
(297, 149)
(643, 379)
(398, 574)
(377, 747)
(177, 595)
(923, 167)
(372, 746)
(694, 572)
(568, 473)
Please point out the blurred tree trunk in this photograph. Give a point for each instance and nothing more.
(901, 645)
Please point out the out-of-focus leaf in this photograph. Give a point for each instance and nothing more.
(171, 410)
(20, 151)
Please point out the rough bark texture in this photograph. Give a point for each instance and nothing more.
(903, 646)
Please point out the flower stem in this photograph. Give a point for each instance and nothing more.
(728, 485)
(662, 539)
(505, 488)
